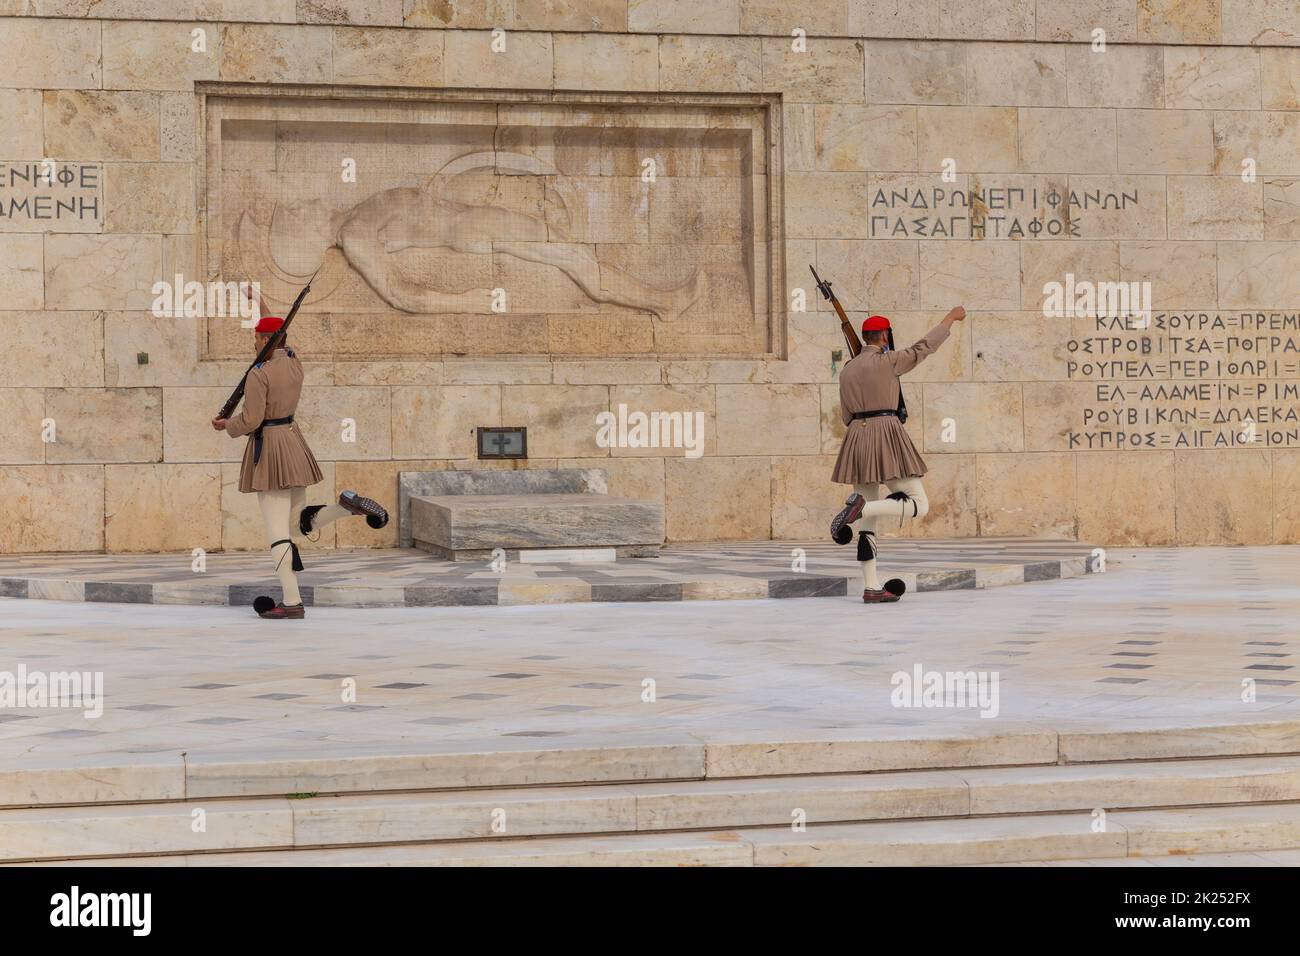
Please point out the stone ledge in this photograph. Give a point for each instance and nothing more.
(1013, 770)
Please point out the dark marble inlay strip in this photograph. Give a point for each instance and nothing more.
(452, 596)
(806, 586)
(14, 587)
(666, 591)
(1043, 571)
(958, 580)
(117, 593)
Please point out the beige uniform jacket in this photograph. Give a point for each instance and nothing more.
(272, 391)
(879, 449)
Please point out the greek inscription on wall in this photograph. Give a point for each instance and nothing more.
(1005, 212)
(1188, 380)
(50, 196)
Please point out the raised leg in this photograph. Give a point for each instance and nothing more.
(906, 499)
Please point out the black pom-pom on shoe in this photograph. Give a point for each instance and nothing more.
(376, 515)
(841, 533)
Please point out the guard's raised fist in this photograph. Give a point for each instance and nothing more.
(957, 314)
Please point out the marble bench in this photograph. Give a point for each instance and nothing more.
(466, 516)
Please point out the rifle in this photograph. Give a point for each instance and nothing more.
(272, 344)
(850, 333)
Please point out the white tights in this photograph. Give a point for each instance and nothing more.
(879, 506)
(280, 511)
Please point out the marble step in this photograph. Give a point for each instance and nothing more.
(1003, 839)
(1128, 836)
(416, 816)
(353, 768)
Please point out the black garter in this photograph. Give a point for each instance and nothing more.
(866, 549)
(297, 558)
(903, 497)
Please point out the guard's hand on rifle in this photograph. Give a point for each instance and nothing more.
(956, 315)
(219, 424)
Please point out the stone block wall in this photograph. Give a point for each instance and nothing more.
(876, 100)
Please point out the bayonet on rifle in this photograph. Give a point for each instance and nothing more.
(850, 333)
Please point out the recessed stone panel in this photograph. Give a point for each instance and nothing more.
(629, 227)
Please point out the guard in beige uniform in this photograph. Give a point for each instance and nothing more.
(278, 467)
(877, 457)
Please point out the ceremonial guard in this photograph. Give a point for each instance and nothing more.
(279, 467)
(877, 457)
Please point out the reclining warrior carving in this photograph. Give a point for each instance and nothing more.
(372, 233)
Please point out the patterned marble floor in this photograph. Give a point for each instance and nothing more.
(407, 577)
(1163, 635)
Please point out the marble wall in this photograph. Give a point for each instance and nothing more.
(1185, 129)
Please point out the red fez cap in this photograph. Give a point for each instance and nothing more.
(875, 323)
(269, 323)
